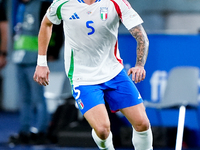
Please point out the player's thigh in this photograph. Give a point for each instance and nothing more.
(137, 116)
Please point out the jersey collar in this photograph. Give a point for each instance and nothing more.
(82, 1)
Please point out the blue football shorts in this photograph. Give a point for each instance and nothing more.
(119, 92)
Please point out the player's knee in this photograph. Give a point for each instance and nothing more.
(142, 125)
(103, 131)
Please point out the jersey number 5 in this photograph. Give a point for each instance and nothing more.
(88, 25)
(78, 93)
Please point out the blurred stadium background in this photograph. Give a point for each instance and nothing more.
(173, 28)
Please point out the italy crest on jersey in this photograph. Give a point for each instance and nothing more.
(104, 13)
(80, 104)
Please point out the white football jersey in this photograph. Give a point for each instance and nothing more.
(91, 31)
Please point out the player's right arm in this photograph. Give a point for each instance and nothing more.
(41, 74)
(44, 35)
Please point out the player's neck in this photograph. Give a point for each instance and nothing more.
(89, 2)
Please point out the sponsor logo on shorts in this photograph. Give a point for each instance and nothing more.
(80, 104)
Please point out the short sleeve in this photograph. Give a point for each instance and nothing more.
(130, 18)
(52, 14)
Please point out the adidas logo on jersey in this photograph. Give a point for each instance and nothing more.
(74, 16)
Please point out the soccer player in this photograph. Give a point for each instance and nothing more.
(94, 66)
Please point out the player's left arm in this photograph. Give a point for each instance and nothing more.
(138, 72)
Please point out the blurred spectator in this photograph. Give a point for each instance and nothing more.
(31, 95)
(3, 42)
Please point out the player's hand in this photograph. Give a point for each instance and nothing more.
(41, 75)
(138, 73)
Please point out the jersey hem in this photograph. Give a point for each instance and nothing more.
(99, 81)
